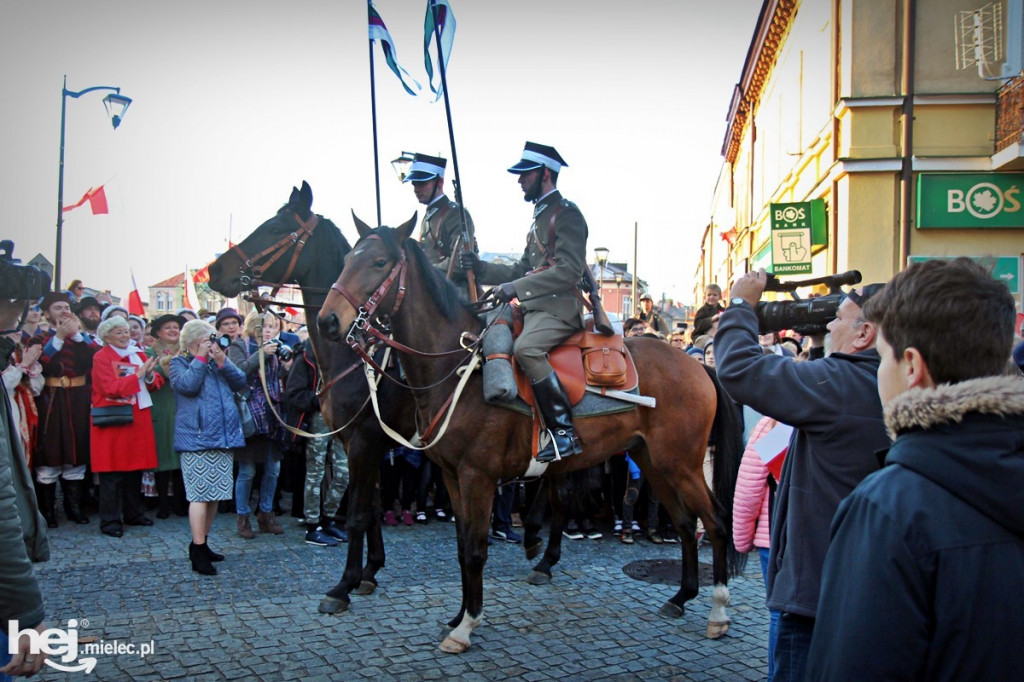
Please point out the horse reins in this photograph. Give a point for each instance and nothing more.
(275, 251)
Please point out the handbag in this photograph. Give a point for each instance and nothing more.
(245, 416)
(114, 415)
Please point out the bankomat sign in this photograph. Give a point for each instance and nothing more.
(970, 200)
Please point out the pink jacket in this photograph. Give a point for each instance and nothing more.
(750, 503)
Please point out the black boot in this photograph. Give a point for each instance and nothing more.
(46, 494)
(557, 414)
(200, 559)
(214, 556)
(73, 501)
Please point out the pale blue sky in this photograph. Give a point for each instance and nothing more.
(235, 102)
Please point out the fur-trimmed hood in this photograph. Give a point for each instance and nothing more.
(1002, 396)
(967, 438)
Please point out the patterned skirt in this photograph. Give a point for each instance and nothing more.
(208, 475)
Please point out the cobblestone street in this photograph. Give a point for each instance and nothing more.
(258, 620)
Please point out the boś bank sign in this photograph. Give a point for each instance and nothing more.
(970, 200)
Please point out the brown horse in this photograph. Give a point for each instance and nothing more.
(484, 443)
(296, 246)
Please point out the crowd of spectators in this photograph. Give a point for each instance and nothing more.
(179, 415)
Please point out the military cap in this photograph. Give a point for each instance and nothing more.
(425, 168)
(536, 156)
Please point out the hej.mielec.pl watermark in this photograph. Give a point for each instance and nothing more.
(66, 652)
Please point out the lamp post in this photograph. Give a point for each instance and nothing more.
(116, 105)
(618, 291)
(601, 258)
(402, 164)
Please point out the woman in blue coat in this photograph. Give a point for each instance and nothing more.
(206, 429)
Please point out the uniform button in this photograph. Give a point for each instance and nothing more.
(529, 293)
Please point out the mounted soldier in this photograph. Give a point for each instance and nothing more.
(441, 232)
(546, 281)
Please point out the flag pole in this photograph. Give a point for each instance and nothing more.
(373, 110)
(467, 244)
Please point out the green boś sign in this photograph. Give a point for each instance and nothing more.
(970, 200)
(796, 229)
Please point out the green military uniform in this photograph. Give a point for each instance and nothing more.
(553, 311)
(441, 235)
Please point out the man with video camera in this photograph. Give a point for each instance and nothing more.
(834, 408)
(22, 529)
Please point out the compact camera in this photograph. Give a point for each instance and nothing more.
(20, 282)
(223, 341)
(284, 351)
(807, 316)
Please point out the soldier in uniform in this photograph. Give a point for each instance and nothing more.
(63, 450)
(651, 317)
(545, 280)
(441, 229)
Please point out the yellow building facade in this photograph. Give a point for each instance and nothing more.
(900, 120)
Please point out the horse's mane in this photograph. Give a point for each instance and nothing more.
(336, 240)
(444, 294)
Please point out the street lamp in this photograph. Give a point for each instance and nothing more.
(402, 164)
(618, 290)
(601, 258)
(116, 105)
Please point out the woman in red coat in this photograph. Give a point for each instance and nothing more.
(120, 453)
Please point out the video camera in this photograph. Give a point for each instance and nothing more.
(20, 282)
(807, 316)
(223, 341)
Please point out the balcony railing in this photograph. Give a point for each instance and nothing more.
(1010, 114)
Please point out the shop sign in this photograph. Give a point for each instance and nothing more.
(1004, 268)
(970, 200)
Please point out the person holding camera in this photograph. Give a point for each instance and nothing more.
(924, 578)
(22, 531)
(207, 429)
(833, 406)
(258, 340)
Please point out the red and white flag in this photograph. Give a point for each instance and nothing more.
(190, 298)
(135, 306)
(773, 446)
(97, 198)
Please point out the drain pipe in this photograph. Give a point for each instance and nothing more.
(907, 142)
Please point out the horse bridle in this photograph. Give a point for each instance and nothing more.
(254, 267)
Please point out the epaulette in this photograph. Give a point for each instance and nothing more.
(568, 204)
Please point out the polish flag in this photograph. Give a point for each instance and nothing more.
(190, 298)
(97, 198)
(135, 306)
(773, 446)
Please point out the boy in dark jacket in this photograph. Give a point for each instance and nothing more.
(924, 578)
(300, 397)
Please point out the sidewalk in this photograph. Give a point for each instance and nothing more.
(258, 620)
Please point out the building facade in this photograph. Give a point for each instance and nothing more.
(871, 133)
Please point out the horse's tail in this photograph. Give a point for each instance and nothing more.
(727, 435)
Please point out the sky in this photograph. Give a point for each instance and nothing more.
(234, 103)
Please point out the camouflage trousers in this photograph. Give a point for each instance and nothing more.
(317, 451)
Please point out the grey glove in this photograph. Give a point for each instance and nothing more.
(503, 293)
(469, 261)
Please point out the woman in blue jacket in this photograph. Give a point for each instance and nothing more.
(206, 429)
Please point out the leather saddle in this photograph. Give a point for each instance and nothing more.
(571, 359)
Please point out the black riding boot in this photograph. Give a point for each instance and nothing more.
(46, 494)
(557, 414)
(200, 558)
(73, 501)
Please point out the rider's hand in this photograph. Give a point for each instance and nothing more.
(468, 261)
(503, 293)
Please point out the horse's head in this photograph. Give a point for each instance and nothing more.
(267, 253)
(370, 279)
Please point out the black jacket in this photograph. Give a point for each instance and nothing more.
(924, 579)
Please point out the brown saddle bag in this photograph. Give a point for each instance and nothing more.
(604, 359)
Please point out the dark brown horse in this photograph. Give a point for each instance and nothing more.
(483, 443)
(296, 246)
